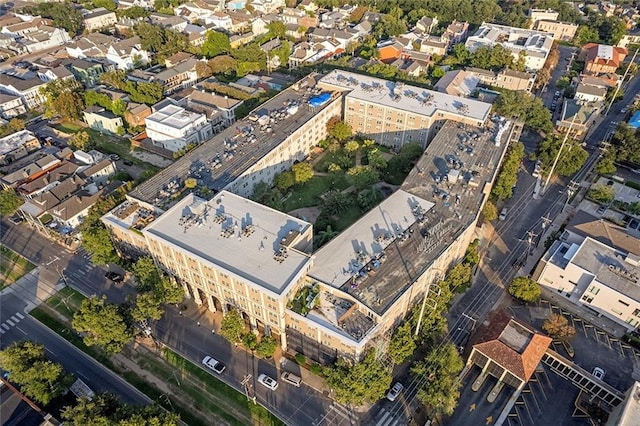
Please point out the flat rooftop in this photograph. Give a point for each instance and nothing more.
(247, 142)
(174, 116)
(405, 97)
(15, 141)
(240, 236)
(382, 254)
(610, 267)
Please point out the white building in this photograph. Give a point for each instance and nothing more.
(128, 53)
(99, 18)
(174, 127)
(536, 45)
(596, 264)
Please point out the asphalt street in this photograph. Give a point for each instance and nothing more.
(16, 325)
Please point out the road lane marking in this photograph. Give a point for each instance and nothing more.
(81, 272)
(21, 330)
(6, 327)
(14, 319)
(19, 315)
(2, 331)
(10, 322)
(50, 351)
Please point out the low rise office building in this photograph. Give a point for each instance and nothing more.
(173, 127)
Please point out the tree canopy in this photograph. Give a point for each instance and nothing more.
(557, 326)
(572, 157)
(525, 289)
(367, 380)
(103, 324)
(215, 44)
(64, 15)
(63, 98)
(503, 188)
(38, 377)
(402, 344)
(523, 105)
(9, 202)
(105, 409)
(626, 142)
(441, 390)
(232, 326)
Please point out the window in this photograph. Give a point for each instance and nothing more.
(587, 298)
(593, 289)
(636, 313)
(615, 311)
(622, 302)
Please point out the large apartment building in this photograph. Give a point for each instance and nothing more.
(229, 252)
(535, 45)
(596, 264)
(394, 114)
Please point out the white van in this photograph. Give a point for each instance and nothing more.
(292, 379)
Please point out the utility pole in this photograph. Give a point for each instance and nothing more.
(626, 72)
(424, 304)
(545, 222)
(247, 388)
(530, 237)
(571, 190)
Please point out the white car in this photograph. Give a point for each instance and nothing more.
(213, 364)
(503, 214)
(395, 391)
(268, 382)
(598, 373)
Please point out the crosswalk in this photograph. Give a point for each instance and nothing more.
(11, 322)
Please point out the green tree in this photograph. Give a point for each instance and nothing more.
(232, 326)
(38, 377)
(441, 390)
(325, 236)
(267, 347)
(503, 187)
(606, 165)
(523, 105)
(489, 211)
(133, 12)
(102, 324)
(557, 326)
(302, 172)
(571, 159)
(603, 194)
(369, 198)
(627, 143)
(389, 26)
(525, 289)
(250, 341)
(146, 273)
(81, 141)
(107, 4)
(341, 131)
(285, 180)
(223, 64)
(9, 202)
(63, 98)
(216, 43)
(376, 159)
(105, 409)
(147, 307)
(354, 384)
(335, 202)
(363, 176)
(64, 15)
(437, 72)
(15, 124)
(402, 344)
(276, 29)
(351, 147)
(97, 241)
(167, 291)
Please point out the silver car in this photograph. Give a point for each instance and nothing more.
(268, 382)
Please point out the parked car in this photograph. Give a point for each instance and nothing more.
(114, 276)
(213, 364)
(395, 391)
(601, 209)
(114, 157)
(598, 373)
(268, 382)
(503, 214)
(291, 378)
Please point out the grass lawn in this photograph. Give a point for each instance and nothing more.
(66, 302)
(307, 194)
(12, 266)
(68, 127)
(332, 157)
(223, 393)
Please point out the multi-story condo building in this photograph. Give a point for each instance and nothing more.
(174, 127)
(394, 114)
(535, 45)
(345, 297)
(596, 264)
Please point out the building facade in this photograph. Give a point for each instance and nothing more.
(174, 127)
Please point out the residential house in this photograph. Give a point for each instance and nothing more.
(176, 23)
(586, 93)
(98, 19)
(17, 145)
(601, 58)
(390, 51)
(219, 110)
(259, 26)
(342, 37)
(173, 127)
(177, 58)
(99, 172)
(11, 106)
(94, 45)
(57, 73)
(44, 38)
(308, 5)
(563, 31)
(363, 28)
(240, 21)
(177, 77)
(28, 89)
(457, 32)
(595, 264)
(299, 17)
(267, 6)
(195, 34)
(273, 61)
(238, 40)
(86, 72)
(426, 25)
(576, 118)
(29, 170)
(632, 37)
(127, 54)
(373, 17)
(236, 4)
(505, 79)
(63, 177)
(136, 113)
(70, 212)
(458, 83)
(433, 45)
(219, 21)
(197, 10)
(411, 67)
(309, 53)
(535, 45)
(536, 15)
(102, 120)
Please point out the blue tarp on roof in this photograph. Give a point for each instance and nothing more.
(319, 100)
(634, 121)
